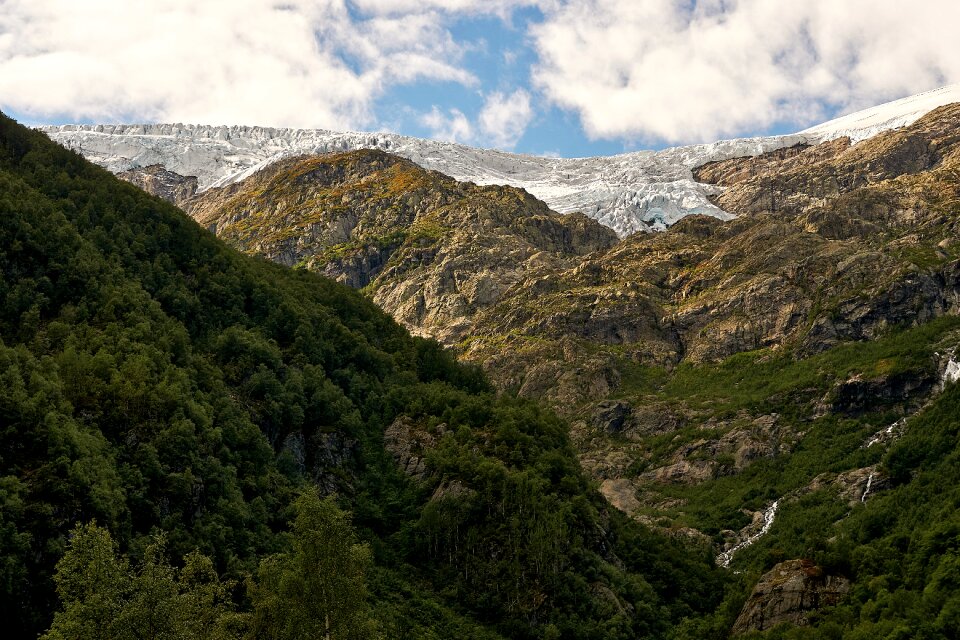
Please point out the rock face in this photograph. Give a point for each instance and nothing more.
(611, 416)
(856, 396)
(730, 453)
(409, 444)
(164, 184)
(788, 593)
(854, 487)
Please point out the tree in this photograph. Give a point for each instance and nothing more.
(93, 585)
(318, 590)
(104, 597)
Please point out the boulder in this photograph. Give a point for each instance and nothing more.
(788, 593)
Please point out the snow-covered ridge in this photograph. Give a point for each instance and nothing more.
(630, 192)
(892, 115)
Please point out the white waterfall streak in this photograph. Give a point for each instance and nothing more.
(725, 558)
(866, 491)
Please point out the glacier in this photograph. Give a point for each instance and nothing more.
(630, 192)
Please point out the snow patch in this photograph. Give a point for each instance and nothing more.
(892, 115)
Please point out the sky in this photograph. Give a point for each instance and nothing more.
(547, 77)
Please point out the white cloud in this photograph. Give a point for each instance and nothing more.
(635, 70)
(686, 71)
(290, 63)
(504, 118)
(452, 126)
(500, 123)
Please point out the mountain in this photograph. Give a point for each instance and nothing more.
(168, 405)
(804, 264)
(431, 250)
(771, 386)
(777, 389)
(631, 192)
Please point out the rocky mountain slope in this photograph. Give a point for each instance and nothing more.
(833, 243)
(629, 192)
(719, 376)
(431, 250)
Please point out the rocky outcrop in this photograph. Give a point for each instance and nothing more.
(621, 493)
(854, 487)
(157, 181)
(726, 454)
(361, 267)
(858, 395)
(408, 444)
(611, 416)
(788, 593)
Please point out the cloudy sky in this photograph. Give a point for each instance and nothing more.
(567, 77)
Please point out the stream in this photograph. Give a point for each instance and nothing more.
(866, 491)
(769, 515)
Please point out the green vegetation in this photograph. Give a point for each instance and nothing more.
(184, 397)
(104, 597)
(352, 247)
(762, 380)
(318, 589)
(900, 548)
(426, 230)
(172, 414)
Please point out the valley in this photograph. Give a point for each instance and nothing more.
(640, 342)
(741, 423)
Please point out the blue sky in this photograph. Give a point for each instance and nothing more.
(502, 60)
(556, 77)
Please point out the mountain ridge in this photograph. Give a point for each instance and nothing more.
(631, 192)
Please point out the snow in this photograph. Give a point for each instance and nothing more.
(639, 191)
(892, 115)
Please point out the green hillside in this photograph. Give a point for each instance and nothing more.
(184, 398)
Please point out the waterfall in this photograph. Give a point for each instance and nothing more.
(951, 373)
(769, 515)
(888, 434)
(866, 491)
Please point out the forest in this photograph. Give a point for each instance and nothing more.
(187, 433)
